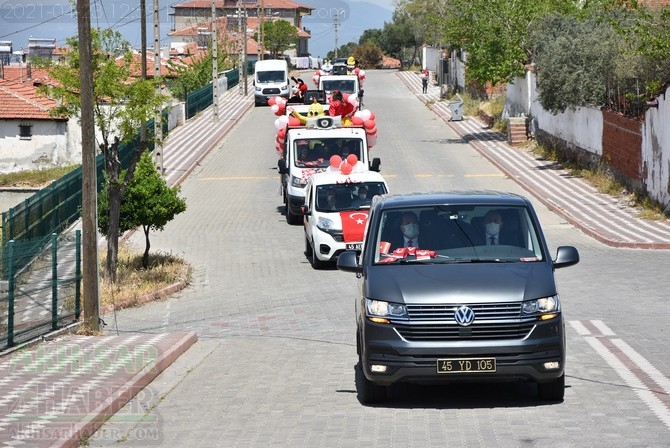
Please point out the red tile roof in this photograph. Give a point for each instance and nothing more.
(20, 101)
(274, 4)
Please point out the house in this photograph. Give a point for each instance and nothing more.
(194, 14)
(30, 137)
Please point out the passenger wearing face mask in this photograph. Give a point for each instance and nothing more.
(409, 232)
(362, 199)
(495, 233)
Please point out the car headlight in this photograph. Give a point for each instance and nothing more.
(298, 182)
(257, 89)
(284, 88)
(325, 224)
(546, 307)
(380, 311)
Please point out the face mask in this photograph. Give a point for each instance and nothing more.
(411, 231)
(492, 228)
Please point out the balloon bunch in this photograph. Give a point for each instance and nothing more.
(346, 166)
(278, 105)
(366, 119)
(361, 76)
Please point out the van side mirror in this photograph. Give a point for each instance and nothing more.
(375, 165)
(281, 165)
(566, 256)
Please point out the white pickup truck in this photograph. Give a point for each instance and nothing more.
(311, 149)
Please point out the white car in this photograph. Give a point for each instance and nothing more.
(335, 212)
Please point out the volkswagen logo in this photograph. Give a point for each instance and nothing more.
(464, 316)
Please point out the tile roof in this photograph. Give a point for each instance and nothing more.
(19, 97)
(267, 4)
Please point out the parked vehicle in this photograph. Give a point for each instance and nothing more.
(454, 307)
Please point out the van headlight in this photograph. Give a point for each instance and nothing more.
(325, 224)
(380, 311)
(298, 182)
(545, 308)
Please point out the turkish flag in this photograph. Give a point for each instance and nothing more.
(353, 225)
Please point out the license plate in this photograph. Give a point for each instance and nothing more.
(466, 365)
(354, 246)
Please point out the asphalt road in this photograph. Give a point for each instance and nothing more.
(274, 362)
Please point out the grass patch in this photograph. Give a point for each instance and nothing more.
(35, 178)
(133, 281)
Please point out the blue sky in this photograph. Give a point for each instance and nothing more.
(54, 19)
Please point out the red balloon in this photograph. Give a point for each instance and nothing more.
(281, 133)
(352, 159)
(369, 124)
(335, 161)
(356, 121)
(372, 116)
(345, 168)
(271, 101)
(281, 110)
(293, 121)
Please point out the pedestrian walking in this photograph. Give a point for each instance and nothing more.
(424, 79)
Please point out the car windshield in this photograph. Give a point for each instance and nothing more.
(265, 77)
(317, 153)
(457, 234)
(343, 85)
(347, 196)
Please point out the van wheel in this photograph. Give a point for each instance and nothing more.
(290, 217)
(316, 263)
(308, 247)
(552, 391)
(368, 392)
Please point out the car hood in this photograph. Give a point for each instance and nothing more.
(460, 283)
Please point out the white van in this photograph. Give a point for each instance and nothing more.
(270, 80)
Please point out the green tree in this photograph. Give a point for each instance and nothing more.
(123, 104)
(278, 36)
(373, 36)
(495, 34)
(397, 37)
(148, 202)
(198, 72)
(574, 59)
(426, 19)
(368, 55)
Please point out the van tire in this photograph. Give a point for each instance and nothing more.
(552, 391)
(368, 392)
(290, 217)
(316, 263)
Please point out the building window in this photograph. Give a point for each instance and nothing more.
(25, 131)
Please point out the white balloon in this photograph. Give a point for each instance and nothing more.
(281, 122)
(275, 108)
(365, 114)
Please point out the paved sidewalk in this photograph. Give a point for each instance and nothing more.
(605, 218)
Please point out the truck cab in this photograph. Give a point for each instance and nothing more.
(314, 148)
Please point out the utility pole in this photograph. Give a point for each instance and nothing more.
(143, 28)
(89, 174)
(244, 53)
(215, 66)
(261, 17)
(336, 28)
(240, 42)
(158, 119)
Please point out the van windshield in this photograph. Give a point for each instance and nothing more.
(458, 234)
(343, 85)
(271, 76)
(316, 152)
